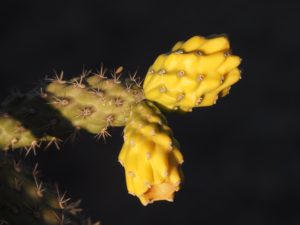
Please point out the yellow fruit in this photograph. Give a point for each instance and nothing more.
(193, 74)
(150, 155)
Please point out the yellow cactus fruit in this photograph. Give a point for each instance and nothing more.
(150, 155)
(194, 74)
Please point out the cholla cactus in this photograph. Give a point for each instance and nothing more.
(194, 74)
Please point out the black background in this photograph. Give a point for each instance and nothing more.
(242, 160)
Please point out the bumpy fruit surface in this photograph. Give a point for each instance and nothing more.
(193, 74)
(150, 155)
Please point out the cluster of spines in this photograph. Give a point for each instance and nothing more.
(58, 110)
(26, 200)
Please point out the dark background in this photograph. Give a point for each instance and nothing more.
(242, 159)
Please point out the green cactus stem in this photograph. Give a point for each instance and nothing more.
(58, 110)
(26, 200)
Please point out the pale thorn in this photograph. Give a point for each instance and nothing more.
(103, 134)
(139, 82)
(59, 78)
(118, 101)
(85, 73)
(62, 200)
(101, 73)
(61, 101)
(34, 145)
(98, 92)
(128, 86)
(39, 187)
(85, 112)
(79, 83)
(132, 77)
(73, 207)
(61, 219)
(35, 171)
(109, 120)
(55, 141)
(116, 76)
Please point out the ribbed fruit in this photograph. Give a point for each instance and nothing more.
(150, 155)
(193, 74)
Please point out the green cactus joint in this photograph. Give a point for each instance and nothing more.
(25, 199)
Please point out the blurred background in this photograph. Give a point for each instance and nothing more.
(242, 156)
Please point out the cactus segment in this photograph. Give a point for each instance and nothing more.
(194, 74)
(60, 109)
(150, 155)
(26, 200)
